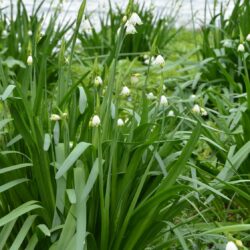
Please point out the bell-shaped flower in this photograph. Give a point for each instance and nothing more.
(120, 122)
(159, 60)
(96, 121)
(125, 91)
(231, 246)
(135, 19)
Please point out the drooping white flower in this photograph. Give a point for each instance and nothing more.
(120, 122)
(86, 26)
(248, 38)
(134, 79)
(231, 246)
(150, 96)
(171, 113)
(5, 33)
(19, 47)
(193, 97)
(71, 144)
(227, 43)
(163, 100)
(98, 81)
(55, 117)
(196, 109)
(147, 60)
(125, 91)
(95, 121)
(241, 48)
(130, 29)
(135, 19)
(30, 33)
(30, 60)
(159, 60)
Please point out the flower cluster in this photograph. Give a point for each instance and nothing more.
(132, 22)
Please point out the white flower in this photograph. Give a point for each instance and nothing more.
(98, 81)
(134, 79)
(196, 109)
(120, 122)
(248, 38)
(19, 47)
(241, 48)
(227, 43)
(125, 91)
(135, 19)
(171, 113)
(193, 97)
(163, 100)
(147, 60)
(95, 121)
(231, 246)
(130, 28)
(203, 112)
(86, 26)
(55, 117)
(150, 96)
(30, 60)
(5, 33)
(30, 33)
(159, 60)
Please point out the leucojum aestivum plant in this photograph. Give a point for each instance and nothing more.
(110, 151)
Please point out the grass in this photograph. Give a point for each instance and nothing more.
(172, 175)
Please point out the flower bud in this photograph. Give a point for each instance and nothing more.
(95, 121)
(241, 48)
(98, 81)
(125, 91)
(239, 243)
(248, 38)
(203, 112)
(64, 115)
(120, 122)
(171, 113)
(196, 109)
(163, 100)
(30, 60)
(159, 60)
(150, 96)
(30, 33)
(193, 97)
(124, 19)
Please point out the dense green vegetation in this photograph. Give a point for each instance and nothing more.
(132, 136)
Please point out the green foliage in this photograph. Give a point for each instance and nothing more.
(166, 177)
